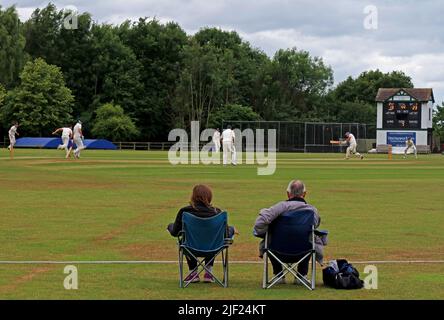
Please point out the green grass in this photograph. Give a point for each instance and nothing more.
(116, 205)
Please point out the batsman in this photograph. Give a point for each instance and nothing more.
(350, 142)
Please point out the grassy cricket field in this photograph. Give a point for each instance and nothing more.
(115, 205)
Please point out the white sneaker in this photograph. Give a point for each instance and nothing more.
(298, 282)
(281, 281)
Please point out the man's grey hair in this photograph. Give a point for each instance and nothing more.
(296, 188)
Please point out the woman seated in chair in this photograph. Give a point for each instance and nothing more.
(200, 206)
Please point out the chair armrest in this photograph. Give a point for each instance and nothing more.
(180, 237)
(321, 232)
(229, 241)
(322, 236)
(260, 236)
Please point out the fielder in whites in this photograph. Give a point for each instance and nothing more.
(78, 139)
(66, 136)
(216, 141)
(228, 139)
(12, 133)
(410, 145)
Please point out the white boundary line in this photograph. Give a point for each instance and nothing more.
(231, 262)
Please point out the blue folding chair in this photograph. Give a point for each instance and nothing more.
(290, 240)
(204, 238)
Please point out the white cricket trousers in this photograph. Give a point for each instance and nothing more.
(217, 146)
(414, 151)
(11, 141)
(352, 150)
(65, 140)
(79, 143)
(229, 148)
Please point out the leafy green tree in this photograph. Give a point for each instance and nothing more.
(71, 50)
(220, 69)
(12, 45)
(365, 87)
(117, 73)
(296, 80)
(163, 78)
(2, 99)
(353, 100)
(438, 122)
(201, 84)
(41, 102)
(2, 94)
(76, 58)
(242, 66)
(112, 123)
(356, 112)
(232, 112)
(159, 49)
(42, 32)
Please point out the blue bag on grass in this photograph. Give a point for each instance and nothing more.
(340, 274)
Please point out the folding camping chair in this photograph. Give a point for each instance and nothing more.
(290, 240)
(201, 238)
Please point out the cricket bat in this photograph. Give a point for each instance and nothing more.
(335, 142)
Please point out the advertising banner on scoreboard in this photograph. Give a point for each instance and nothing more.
(398, 139)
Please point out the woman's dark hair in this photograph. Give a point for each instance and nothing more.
(201, 195)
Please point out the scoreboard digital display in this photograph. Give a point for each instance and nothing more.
(401, 115)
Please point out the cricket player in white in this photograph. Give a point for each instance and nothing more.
(409, 144)
(66, 135)
(216, 140)
(78, 139)
(12, 132)
(352, 145)
(228, 139)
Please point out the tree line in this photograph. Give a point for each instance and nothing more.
(138, 80)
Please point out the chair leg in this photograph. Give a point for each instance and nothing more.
(205, 267)
(226, 268)
(223, 266)
(180, 268)
(265, 276)
(313, 270)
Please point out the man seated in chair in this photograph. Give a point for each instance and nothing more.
(200, 206)
(296, 193)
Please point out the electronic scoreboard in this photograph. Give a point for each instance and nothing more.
(401, 115)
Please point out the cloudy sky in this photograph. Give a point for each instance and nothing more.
(409, 34)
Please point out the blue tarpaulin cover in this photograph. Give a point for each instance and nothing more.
(53, 143)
